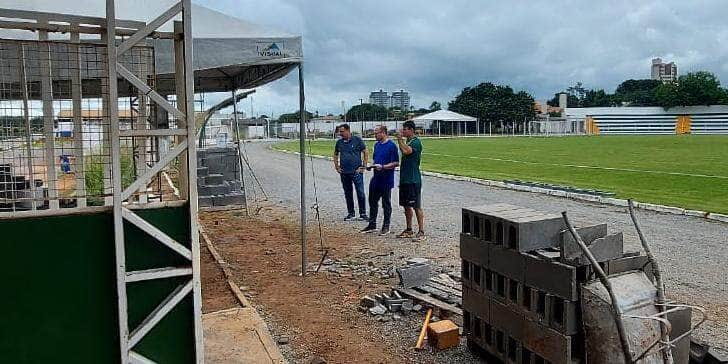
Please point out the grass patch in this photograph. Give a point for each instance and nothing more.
(94, 174)
(688, 171)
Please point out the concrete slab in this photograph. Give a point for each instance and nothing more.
(603, 249)
(551, 277)
(414, 275)
(238, 336)
(587, 234)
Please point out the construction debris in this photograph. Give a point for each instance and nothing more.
(352, 268)
(381, 304)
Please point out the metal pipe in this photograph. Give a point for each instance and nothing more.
(664, 331)
(240, 156)
(302, 147)
(608, 286)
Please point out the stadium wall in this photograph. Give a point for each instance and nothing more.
(652, 120)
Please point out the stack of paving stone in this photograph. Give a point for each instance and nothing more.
(521, 273)
(15, 190)
(218, 178)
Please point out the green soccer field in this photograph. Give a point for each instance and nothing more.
(688, 171)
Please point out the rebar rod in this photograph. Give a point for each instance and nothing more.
(608, 286)
(664, 331)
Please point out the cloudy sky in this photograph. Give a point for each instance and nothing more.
(434, 48)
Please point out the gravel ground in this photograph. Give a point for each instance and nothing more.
(692, 252)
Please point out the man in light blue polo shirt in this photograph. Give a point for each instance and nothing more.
(350, 159)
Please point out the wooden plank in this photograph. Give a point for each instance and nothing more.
(50, 139)
(449, 290)
(149, 28)
(79, 165)
(68, 18)
(221, 263)
(159, 312)
(157, 273)
(149, 173)
(152, 132)
(450, 284)
(153, 231)
(427, 299)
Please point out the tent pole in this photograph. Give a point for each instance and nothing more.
(302, 147)
(236, 137)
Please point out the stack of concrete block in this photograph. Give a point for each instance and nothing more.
(521, 273)
(16, 193)
(218, 177)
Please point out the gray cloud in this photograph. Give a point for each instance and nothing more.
(435, 48)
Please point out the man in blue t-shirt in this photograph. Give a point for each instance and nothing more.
(386, 159)
(350, 158)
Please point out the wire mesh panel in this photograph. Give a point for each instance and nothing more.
(55, 132)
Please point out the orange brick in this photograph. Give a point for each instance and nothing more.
(443, 334)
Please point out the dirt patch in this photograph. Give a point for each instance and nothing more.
(216, 294)
(317, 313)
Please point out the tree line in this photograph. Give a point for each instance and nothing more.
(500, 104)
(692, 89)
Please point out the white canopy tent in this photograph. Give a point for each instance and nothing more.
(456, 120)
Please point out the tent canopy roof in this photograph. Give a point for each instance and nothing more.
(444, 115)
(228, 53)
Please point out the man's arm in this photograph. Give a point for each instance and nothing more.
(365, 152)
(365, 156)
(394, 159)
(336, 159)
(406, 149)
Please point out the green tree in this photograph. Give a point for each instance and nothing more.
(637, 92)
(293, 117)
(434, 106)
(596, 98)
(367, 112)
(692, 89)
(494, 103)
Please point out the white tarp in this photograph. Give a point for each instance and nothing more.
(444, 115)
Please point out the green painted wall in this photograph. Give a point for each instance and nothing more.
(58, 301)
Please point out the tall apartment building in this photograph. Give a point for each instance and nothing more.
(665, 72)
(380, 98)
(401, 99)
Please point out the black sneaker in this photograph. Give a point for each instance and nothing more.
(384, 231)
(364, 217)
(368, 229)
(349, 217)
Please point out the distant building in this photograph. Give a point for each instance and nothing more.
(400, 99)
(380, 98)
(665, 72)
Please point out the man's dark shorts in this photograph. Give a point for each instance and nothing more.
(409, 195)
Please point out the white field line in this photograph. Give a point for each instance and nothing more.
(580, 166)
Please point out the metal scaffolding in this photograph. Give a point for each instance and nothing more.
(81, 124)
